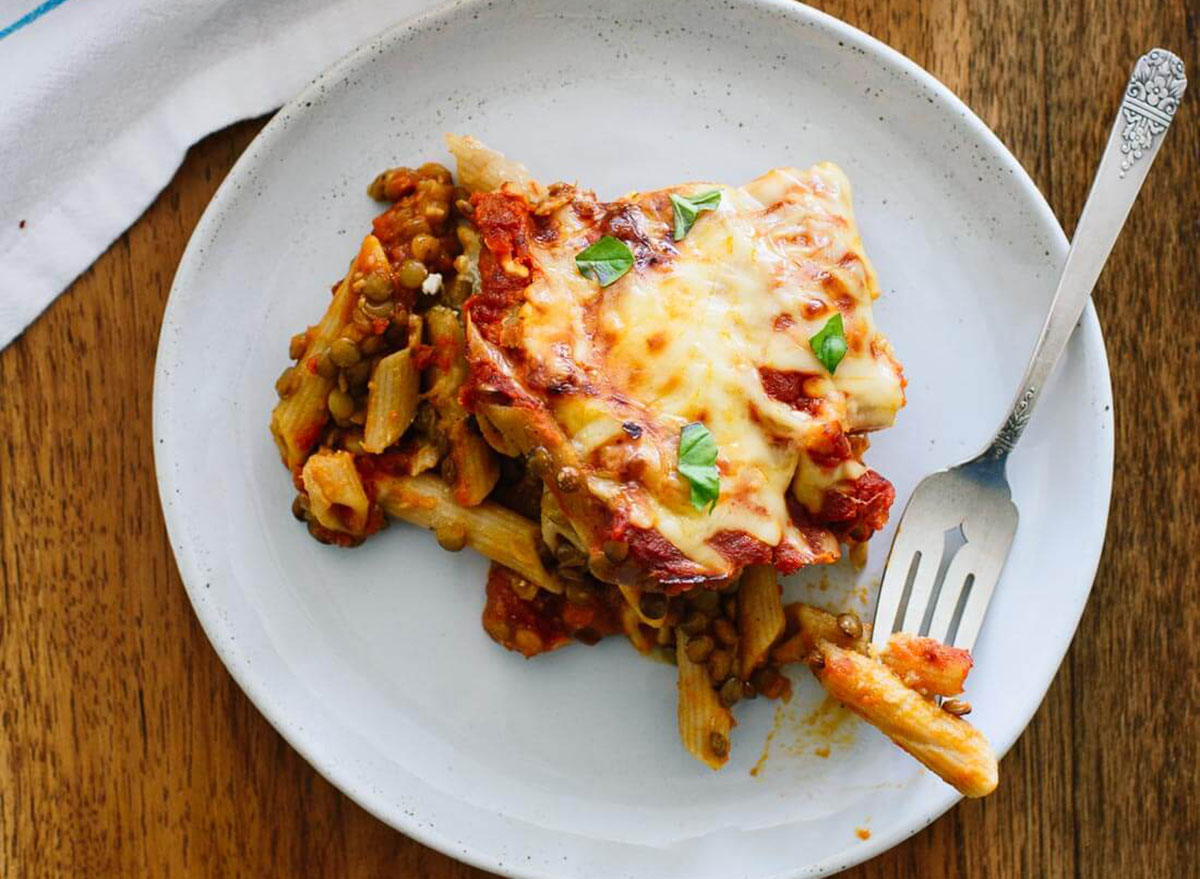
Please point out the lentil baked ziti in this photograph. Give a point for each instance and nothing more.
(642, 411)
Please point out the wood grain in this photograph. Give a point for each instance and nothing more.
(127, 750)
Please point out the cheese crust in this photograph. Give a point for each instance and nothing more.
(596, 383)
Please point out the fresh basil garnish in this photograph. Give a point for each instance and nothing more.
(698, 465)
(687, 207)
(605, 261)
(830, 343)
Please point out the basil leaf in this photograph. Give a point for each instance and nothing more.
(687, 207)
(698, 465)
(605, 261)
(830, 343)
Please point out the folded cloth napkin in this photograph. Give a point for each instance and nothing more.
(102, 99)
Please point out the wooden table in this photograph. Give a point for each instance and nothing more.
(127, 750)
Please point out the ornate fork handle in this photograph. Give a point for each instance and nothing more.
(1151, 100)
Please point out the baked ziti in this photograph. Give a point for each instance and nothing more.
(643, 411)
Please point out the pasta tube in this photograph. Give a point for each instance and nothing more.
(483, 169)
(807, 626)
(497, 532)
(633, 597)
(631, 625)
(946, 744)
(927, 665)
(704, 723)
(297, 420)
(392, 402)
(760, 616)
(470, 466)
(335, 491)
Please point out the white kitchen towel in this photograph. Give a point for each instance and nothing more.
(99, 100)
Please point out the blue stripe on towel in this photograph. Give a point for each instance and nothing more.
(30, 17)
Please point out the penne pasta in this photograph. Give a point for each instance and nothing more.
(704, 723)
(392, 402)
(946, 744)
(467, 266)
(556, 529)
(760, 616)
(425, 458)
(494, 437)
(449, 368)
(471, 464)
(490, 529)
(631, 624)
(483, 169)
(297, 420)
(807, 626)
(927, 665)
(470, 467)
(633, 597)
(335, 491)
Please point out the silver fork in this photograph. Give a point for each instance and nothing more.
(954, 536)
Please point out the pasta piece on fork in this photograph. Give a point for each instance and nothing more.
(946, 744)
(894, 693)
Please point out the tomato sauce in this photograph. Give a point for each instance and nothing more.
(787, 386)
(546, 621)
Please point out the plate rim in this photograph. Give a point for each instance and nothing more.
(208, 615)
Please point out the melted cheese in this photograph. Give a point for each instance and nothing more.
(685, 343)
(684, 338)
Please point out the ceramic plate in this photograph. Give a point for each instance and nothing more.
(372, 662)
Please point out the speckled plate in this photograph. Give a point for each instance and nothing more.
(372, 663)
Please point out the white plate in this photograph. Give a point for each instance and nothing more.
(372, 663)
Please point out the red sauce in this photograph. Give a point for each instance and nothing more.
(387, 227)
(941, 656)
(787, 386)
(814, 548)
(424, 355)
(307, 436)
(546, 621)
(788, 558)
(657, 557)
(829, 447)
(858, 512)
(487, 383)
(503, 221)
(396, 462)
(741, 548)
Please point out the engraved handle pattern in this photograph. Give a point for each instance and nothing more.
(1151, 99)
(1150, 103)
(1012, 428)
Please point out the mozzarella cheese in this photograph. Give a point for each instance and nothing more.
(687, 334)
